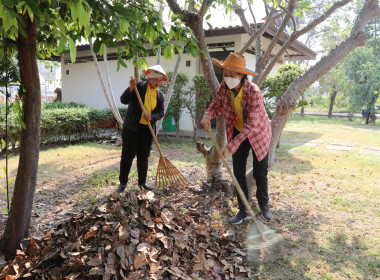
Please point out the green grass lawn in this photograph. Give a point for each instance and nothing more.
(324, 192)
(327, 200)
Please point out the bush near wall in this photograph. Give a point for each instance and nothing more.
(61, 122)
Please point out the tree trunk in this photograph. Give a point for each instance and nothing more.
(288, 101)
(302, 111)
(176, 129)
(350, 116)
(332, 101)
(367, 117)
(194, 131)
(17, 227)
(195, 22)
(214, 171)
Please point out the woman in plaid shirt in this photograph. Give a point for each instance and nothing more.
(247, 126)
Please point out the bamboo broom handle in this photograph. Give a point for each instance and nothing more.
(237, 186)
(149, 125)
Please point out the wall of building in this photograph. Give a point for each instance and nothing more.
(80, 82)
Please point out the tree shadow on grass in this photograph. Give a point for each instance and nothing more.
(295, 138)
(285, 162)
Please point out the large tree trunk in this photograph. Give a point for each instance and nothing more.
(213, 162)
(289, 99)
(332, 101)
(195, 22)
(17, 227)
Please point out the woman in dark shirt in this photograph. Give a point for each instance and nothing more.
(137, 138)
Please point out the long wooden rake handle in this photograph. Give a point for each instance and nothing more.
(237, 186)
(149, 125)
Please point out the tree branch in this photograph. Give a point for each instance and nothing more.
(323, 17)
(253, 16)
(295, 36)
(187, 16)
(240, 13)
(266, 7)
(205, 5)
(289, 98)
(291, 17)
(278, 34)
(259, 32)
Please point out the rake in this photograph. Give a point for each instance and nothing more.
(260, 236)
(167, 173)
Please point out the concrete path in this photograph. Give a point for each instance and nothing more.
(342, 115)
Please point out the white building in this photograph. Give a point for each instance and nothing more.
(80, 82)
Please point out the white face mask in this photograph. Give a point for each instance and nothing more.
(232, 82)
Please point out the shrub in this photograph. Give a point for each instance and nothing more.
(275, 86)
(61, 122)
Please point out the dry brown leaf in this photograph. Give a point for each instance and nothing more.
(154, 267)
(237, 260)
(165, 258)
(240, 252)
(103, 208)
(168, 244)
(175, 258)
(72, 276)
(94, 262)
(96, 271)
(62, 254)
(33, 249)
(47, 249)
(135, 241)
(212, 253)
(202, 259)
(177, 272)
(166, 215)
(198, 266)
(146, 214)
(216, 268)
(136, 275)
(153, 254)
(124, 232)
(242, 269)
(90, 234)
(135, 233)
(150, 197)
(139, 261)
(143, 247)
(120, 251)
(133, 198)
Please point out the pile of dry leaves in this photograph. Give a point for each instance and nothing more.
(132, 237)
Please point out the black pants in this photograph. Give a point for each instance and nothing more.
(260, 172)
(135, 143)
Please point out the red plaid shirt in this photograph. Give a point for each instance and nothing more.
(256, 122)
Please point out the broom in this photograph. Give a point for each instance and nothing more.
(260, 236)
(167, 173)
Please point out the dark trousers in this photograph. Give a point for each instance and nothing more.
(260, 173)
(135, 143)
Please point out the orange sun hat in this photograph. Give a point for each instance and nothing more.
(236, 63)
